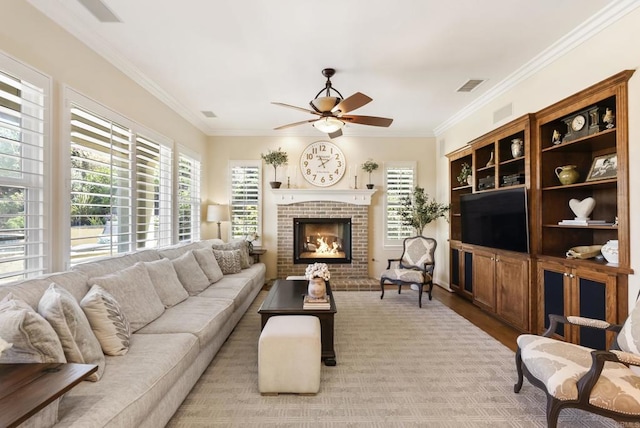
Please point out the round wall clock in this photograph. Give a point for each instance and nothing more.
(322, 163)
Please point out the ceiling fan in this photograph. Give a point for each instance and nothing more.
(332, 110)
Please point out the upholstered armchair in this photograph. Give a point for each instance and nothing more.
(415, 266)
(596, 381)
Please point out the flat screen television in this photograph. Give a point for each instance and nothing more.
(496, 219)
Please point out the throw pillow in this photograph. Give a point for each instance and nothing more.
(229, 261)
(208, 264)
(33, 338)
(165, 280)
(65, 315)
(246, 260)
(191, 276)
(108, 322)
(133, 290)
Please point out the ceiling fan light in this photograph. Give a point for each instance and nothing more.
(328, 124)
(323, 104)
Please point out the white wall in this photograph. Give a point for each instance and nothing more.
(612, 50)
(356, 151)
(31, 38)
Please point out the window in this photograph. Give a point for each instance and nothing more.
(153, 197)
(121, 183)
(101, 183)
(246, 198)
(24, 130)
(400, 178)
(188, 198)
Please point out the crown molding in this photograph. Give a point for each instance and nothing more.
(598, 22)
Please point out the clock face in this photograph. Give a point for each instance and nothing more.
(578, 122)
(322, 163)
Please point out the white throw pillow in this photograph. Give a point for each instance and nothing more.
(209, 264)
(229, 261)
(191, 276)
(246, 260)
(108, 322)
(33, 338)
(70, 323)
(165, 280)
(133, 290)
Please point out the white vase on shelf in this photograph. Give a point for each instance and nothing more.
(610, 251)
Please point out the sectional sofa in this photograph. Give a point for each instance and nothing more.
(170, 346)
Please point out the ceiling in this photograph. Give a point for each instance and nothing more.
(235, 57)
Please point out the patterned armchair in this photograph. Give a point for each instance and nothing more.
(415, 266)
(575, 376)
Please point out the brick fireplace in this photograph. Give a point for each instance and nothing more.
(337, 204)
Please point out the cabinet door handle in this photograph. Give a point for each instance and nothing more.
(565, 274)
(572, 275)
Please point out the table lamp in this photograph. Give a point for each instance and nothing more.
(218, 214)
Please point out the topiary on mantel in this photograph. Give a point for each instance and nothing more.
(275, 158)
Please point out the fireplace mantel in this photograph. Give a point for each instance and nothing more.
(349, 196)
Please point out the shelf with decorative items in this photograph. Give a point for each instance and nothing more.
(461, 179)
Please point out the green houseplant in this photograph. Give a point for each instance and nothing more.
(418, 210)
(465, 173)
(369, 166)
(275, 158)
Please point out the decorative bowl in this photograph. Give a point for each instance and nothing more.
(584, 252)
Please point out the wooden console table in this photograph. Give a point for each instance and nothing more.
(25, 389)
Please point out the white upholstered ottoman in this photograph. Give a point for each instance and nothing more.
(289, 355)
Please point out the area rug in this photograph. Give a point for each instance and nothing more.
(398, 366)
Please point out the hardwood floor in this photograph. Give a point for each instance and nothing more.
(496, 329)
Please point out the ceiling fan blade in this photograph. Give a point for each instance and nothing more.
(294, 124)
(297, 108)
(351, 103)
(335, 134)
(368, 120)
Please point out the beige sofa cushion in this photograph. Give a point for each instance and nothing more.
(133, 290)
(228, 260)
(191, 276)
(108, 322)
(208, 264)
(165, 280)
(70, 323)
(33, 338)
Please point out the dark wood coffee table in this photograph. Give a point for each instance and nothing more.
(285, 298)
(28, 388)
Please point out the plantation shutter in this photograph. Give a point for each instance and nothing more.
(245, 200)
(153, 197)
(101, 183)
(22, 201)
(188, 198)
(400, 182)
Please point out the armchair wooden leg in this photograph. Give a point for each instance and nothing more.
(420, 295)
(430, 289)
(553, 411)
(518, 386)
(382, 287)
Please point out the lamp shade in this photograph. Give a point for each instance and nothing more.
(328, 124)
(218, 213)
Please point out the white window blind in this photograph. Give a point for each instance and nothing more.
(101, 183)
(153, 194)
(22, 200)
(400, 181)
(246, 199)
(188, 198)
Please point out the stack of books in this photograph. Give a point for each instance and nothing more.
(311, 303)
(580, 222)
(512, 179)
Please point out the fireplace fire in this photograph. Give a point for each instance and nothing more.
(326, 240)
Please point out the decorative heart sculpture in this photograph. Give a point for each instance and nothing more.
(582, 208)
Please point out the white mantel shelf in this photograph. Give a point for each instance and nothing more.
(349, 196)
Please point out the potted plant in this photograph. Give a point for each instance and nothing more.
(369, 166)
(465, 173)
(418, 210)
(275, 158)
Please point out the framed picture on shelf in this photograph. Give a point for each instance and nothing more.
(603, 167)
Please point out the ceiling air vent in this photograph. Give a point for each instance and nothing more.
(470, 85)
(100, 10)
(209, 114)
